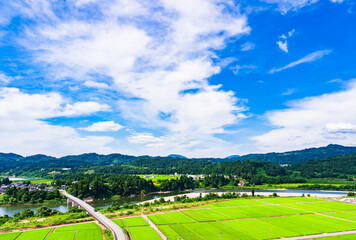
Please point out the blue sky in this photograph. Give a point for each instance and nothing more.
(199, 78)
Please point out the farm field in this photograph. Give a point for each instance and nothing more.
(146, 232)
(156, 177)
(255, 219)
(86, 231)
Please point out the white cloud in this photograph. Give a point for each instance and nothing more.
(106, 126)
(248, 46)
(23, 131)
(246, 68)
(341, 127)
(337, 1)
(94, 84)
(5, 78)
(285, 6)
(14, 103)
(161, 68)
(308, 58)
(144, 138)
(283, 45)
(288, 92)
(314, 121)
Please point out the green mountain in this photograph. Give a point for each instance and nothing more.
(293, 157)
(331, 167)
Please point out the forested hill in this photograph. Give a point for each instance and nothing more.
(293, 157)
(14, 161)
(331, 167)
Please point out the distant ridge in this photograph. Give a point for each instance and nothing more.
(298, 156)
(8, 160)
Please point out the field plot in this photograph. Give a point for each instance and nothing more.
(180, 217)
(323, 206)
(119, 222)
(195, 214)
(135, 222)
(161, 219)
(88, 235)
(169, 232)
(80, 226)
(257, 211)
(233, 203)
(69, 235)
(83, 231)
(139, 233)
(270, 218)
(9, 236)
(39, 234)
(280, 200)
(351, 215)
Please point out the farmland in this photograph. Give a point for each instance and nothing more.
(258, 218)
(244, 219)
(86, 231)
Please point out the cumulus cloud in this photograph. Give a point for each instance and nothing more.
(283, 43)
(337, 1)
(308, 58)
(283, 46)
(160, 70)
(106, 126)
(313, 121)
(24, 131)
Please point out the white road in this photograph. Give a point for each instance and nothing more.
(118, 232)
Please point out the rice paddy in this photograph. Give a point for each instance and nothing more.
(86, 231)
(255, 219)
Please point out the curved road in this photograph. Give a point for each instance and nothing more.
(116, 230)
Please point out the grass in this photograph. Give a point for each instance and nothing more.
(208, 231)
(89, 235)
(135, 222)
(158, 177)
(281, 200)
(186, 234)
(39, 234)
(75, 227)
(324, 206)
(9, 236)
(200, 217)
(61, 236)
(139, 233)
(344, 215)
(119, 222)
(169, 232)
(179, 217)
(229, 203)
(161, 219)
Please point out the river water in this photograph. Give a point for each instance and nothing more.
(62, 207)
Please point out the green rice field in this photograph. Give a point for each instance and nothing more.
(85, 231)
(264, 218)
(240, 219)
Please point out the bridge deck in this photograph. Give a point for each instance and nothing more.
(116, 230)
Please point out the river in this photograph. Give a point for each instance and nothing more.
(62, 207)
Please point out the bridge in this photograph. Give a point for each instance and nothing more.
(118, 232)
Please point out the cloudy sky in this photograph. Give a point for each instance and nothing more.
(193, 77)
